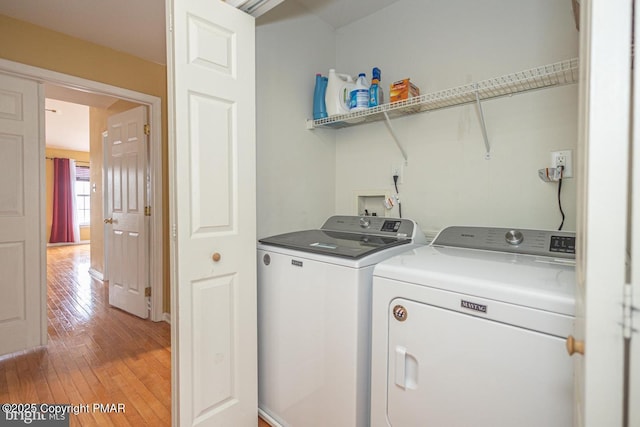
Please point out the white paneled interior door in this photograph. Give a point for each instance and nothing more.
(127, 234)
(211, 55)
(22, 281)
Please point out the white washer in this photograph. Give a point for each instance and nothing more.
(471, 330)
(314, 317)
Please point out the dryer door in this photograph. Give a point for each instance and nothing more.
(447, 368)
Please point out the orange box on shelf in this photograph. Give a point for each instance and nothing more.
(402, 89)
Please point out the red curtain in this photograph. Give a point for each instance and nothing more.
(62, 224)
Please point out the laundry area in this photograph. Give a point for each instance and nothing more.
(365, 213)
(487, 145)
(305, 176)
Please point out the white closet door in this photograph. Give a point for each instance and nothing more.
(212, 127)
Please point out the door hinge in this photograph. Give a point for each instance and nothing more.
(147, 211)
(147, 292)
(147, 130)
(627, 312)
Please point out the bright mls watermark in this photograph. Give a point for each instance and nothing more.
(50, 414)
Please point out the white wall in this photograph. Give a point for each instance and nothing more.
(446, 43)
(295, 167)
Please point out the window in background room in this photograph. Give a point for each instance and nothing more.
(82, 195)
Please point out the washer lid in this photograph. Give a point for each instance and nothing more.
(544, 283)
(334, 243)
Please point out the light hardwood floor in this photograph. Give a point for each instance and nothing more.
(96, 353)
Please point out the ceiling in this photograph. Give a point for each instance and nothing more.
(137, 27)
(339, 13)
(67, 125)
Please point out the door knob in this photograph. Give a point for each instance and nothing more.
(216, 257)
(108, 220)
(574, 346)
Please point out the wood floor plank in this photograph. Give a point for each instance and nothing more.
(263, 423)
(13, 382)
(37, 366)
(28, 392)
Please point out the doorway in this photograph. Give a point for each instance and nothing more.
(114, 184)
(155, 166)
(153, 103)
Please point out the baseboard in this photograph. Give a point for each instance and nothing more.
(81, 242)
(96, 274)
(166, 317)
(267, 418)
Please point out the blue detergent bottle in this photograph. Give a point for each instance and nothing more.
(375, 91)
(319, 105)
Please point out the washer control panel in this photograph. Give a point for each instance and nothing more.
(376, 225)
(559, 244)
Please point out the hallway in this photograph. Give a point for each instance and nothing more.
(96, 354)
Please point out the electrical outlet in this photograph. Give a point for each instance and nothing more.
(397, 170)
(563, 158)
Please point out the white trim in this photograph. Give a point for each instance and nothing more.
(105, 204)
(173, 274)
(633, 381)
(96, 274)
(81, 242)
(166, 317)
(44, 319)
(154, 104)
(156, 262)
(171, 153)
(605, 44)
(268, 419)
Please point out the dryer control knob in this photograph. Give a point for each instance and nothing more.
(365, 222)
(514, 237)
(400, 313)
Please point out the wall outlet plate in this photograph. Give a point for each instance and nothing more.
(563, 158)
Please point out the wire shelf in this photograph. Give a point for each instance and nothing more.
(558, 74)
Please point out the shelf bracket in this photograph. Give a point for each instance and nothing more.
(387, 121)
(487, 146)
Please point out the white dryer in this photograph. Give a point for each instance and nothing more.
(314, 318)
(471, 330)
